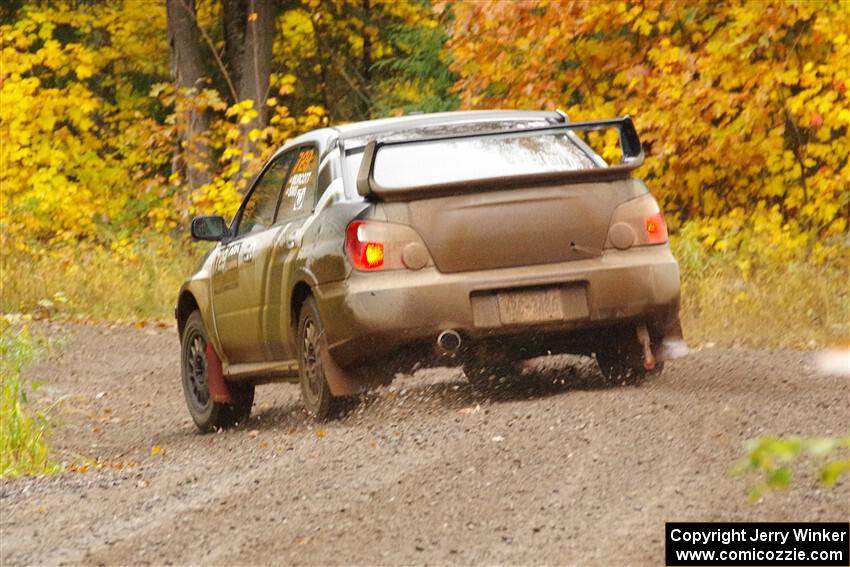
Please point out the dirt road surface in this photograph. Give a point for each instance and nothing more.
(556, 470)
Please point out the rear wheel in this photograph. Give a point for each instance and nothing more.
(620, 358)
(315, 391)
(206, 413)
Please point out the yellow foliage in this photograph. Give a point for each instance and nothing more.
(70, 156)
(737, 103)
(80, 161)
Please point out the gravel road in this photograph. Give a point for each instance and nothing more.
(556, 470)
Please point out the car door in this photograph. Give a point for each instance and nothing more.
(296, 207)
(242, 264)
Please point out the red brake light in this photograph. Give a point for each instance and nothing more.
(364, 255)
(656, 228)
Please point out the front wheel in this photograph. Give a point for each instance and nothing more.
(315, 391)
(206, 413)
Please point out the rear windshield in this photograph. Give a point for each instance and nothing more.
(465, 159)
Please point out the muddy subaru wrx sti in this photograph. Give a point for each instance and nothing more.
(477, 239)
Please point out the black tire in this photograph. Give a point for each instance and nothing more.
(315, 391)
(207, 414)
(620, 359)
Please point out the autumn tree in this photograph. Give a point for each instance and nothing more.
(337, 50)
(743, 107)
(125, 118)
(81, 150)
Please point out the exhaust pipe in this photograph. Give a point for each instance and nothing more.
(448, 342)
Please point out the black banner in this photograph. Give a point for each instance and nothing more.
(757, 543)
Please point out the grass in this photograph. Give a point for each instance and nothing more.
(793, 304)
(23, 448)
(98, 283)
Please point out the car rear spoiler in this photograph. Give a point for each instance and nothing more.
(630, 146)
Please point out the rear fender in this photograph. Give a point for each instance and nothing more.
(344, 381)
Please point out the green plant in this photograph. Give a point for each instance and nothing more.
(417, 76)
(23, 449)
(770, 458)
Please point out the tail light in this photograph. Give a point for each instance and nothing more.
(372, 246)
(364, 255)
(638, 222)
(656, 228)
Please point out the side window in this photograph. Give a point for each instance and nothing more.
(299, 195)
(326, 175)
(258, 213)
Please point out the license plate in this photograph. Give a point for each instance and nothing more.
(530, 305)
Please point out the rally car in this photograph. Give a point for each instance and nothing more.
(477, 239)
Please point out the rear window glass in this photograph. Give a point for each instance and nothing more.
(465, 159)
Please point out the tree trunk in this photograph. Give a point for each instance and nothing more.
(255, 60)
(249, 30)
(192, 157)
(234, 20)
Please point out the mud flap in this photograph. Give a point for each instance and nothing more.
(347, 382)
(219, 392)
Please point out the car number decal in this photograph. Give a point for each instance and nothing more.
(227, 259)
(299, 198)
(304, 160)
(297, 182)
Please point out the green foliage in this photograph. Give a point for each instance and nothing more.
(337, 48)
(23, 450)
(770, 459)
(418, 76)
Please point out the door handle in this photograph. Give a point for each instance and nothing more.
(290, 236)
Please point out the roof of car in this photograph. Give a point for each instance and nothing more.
(418, 121)
(413, 126)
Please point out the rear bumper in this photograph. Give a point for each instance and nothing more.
(370, 314)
